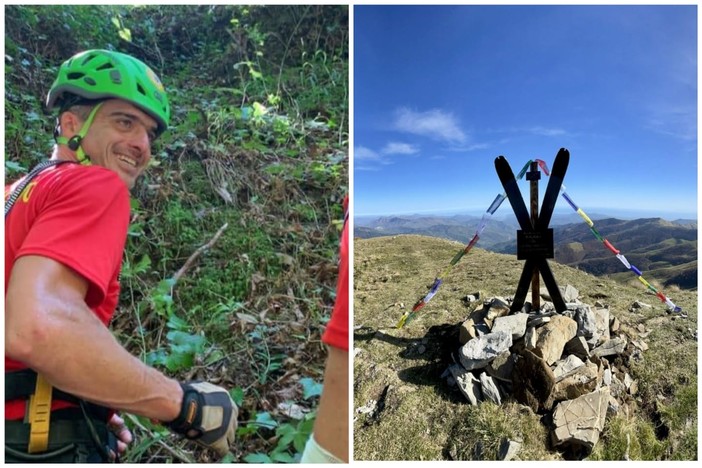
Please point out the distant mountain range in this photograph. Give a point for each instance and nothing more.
(666, 251)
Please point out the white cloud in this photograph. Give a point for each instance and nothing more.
(546, 131)
(365, 154)
(677, 121)
(399, 148)
(468, 148)
(434, 124)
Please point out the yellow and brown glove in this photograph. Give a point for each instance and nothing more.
(207, 416)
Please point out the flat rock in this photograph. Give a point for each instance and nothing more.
(577, 347)
(533, 381)
(479, 351)
(566, 366)
(513, 324)
(502, 366)
(498, 308)
(641, 305)
(552, 337)
(508, 449)
(470, 386)
(570, 294)
(602, 324)
(580, 381)
(489, 388)
(640, 344)
(578, 423)
(466, 331)
(538, 320)
(610, 347)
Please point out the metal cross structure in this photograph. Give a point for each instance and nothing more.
(535, 238)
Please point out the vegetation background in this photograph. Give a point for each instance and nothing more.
(230, 270)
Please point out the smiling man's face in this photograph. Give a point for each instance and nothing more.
(120, 139)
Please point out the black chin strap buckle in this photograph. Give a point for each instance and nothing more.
(74, 142)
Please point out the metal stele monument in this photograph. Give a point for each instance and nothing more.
(535, 238)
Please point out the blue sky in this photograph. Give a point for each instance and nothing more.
(441, 91)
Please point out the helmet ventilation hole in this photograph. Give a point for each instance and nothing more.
(90, 81)
(87, 59)
(75, 76)
(115, 76)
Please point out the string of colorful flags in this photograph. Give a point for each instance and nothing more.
(487, 216)
(409, 316)
(609, 245)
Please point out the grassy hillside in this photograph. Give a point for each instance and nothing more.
(422, 418)
(662, 250)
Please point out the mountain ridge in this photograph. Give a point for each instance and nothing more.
(664, 250)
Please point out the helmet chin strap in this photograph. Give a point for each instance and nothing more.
(74, 142)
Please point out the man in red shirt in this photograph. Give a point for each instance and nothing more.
(65, 374)
(329, 442)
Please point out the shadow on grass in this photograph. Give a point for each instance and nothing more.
(435, 348)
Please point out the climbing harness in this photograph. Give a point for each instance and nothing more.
(49, 437)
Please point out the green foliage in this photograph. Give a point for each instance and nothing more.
(258, 142)
(310, 388)
(291, 436)
(183, 348)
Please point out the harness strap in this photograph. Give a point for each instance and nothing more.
(39, 416)
(21, 384)
(10, 201)
(63, 432)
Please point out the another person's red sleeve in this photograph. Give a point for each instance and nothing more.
(337, 331)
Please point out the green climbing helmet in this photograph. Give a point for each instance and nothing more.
(102, 74)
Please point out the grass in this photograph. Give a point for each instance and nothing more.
(422, 418)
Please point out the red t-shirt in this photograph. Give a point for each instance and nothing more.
(337, 331)
(78, 216)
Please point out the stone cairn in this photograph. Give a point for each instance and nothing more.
(556, 363)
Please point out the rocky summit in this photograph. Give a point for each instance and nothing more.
(554, 363)
(612, 377)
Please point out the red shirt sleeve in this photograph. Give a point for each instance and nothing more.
(337, 331)
(79, 217)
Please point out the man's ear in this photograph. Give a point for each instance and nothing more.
(70, 124)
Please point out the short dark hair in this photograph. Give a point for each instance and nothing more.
(71, 101)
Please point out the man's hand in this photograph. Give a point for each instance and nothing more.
(207, 416)
(123, 434)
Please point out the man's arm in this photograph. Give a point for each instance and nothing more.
(331, 428)
(49, 327)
